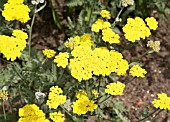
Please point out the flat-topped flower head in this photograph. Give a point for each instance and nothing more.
(137, 71)
(62, 59)
(55, 97)
(155, 45)
(115, 88)
(3, 95)
(83, 105)
(16, 10)
(152, 23)
(125, 3)
(49, 53)
(31, 113)
(163, 101)
(135, 29)
(105, 14)
(57, 117)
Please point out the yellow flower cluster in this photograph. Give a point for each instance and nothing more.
(105, 14)
(115, 88)
(108, 35)
(3, 95)
(49, 53)
(16, 10)
(57, 117)
(163, 102)
(62, 59)
(155, 45)
(31, 113)
(99, 61)
(83, 105)
(152, 23)
(55, 98)
(137, 71)
(12, 46)
(95, 93)
(84, 40)
(136, 29)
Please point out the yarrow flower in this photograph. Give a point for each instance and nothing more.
(11, 47)
(84, 40)
(3, 95)
(55, 98)
(95, 93)
(155, 45)
(97, 26)
(115, 88)
(31, 113)
(49, 53)
(57, 117)
(62, 59)
(83, 105)
(152, 23)
(136, 29)
(137, 71)
(110, 36)
(105, 14)
(125, 3)
(163, 101)
(16, 10)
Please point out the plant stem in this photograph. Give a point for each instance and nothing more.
(3, 107)
(30, 30)
(105, 99)
(99, 86)
(130, 80)
(141, 56)
(66, 111)
(151, 114)
(157, 114)
(55, 16)
(114, 23)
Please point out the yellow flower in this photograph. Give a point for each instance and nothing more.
(3, 95)
(83, 105)
(136, 29)
(16, 10)
(110, 36)
(152, 23)
(55, 98)
(95, 93)
(97, 26)
(31, 113)
(137, 71)
(49, 53)
(62, 59)
(105, 14)
(57, 117)
(115, 88)
(11, 47)
(163, 102)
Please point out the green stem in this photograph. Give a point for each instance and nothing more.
(30, 30)
(90, 11)
(141, 56)
(130, 80)
(151, 114)
(66, 111)
(99, 86)
(55, 16)
(105, 99)
(114, 23)
(3, 107)
(157, 114)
